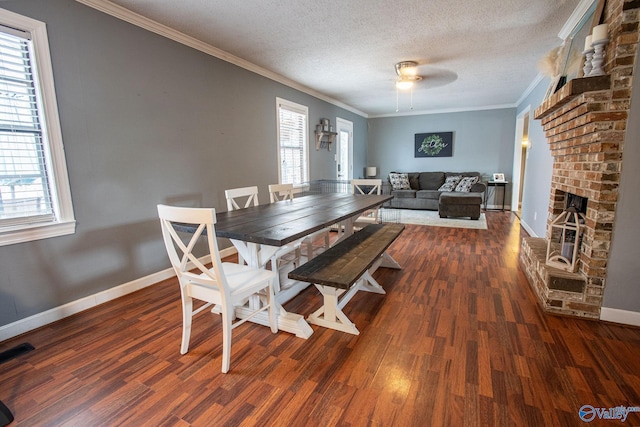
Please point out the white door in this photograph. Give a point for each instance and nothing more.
(344, 149)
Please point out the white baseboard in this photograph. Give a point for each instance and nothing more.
(57, 313)
(620, 316)
(528, 229)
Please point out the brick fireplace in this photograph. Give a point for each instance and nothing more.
(585, 123)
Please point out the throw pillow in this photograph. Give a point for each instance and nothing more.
(450, 183)
(399, 181)
(466, 183)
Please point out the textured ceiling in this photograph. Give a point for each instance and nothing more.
(471, 54)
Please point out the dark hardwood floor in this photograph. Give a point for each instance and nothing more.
(458, 340)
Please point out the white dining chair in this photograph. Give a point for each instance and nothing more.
(282, 192)
(367, 186)
(244, 197)
(224, 284)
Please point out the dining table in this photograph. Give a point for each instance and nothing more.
(271, 226)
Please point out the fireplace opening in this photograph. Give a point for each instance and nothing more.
(564, 246)
(579, 202)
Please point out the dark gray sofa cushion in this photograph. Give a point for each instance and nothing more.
(478, 187)
(414, 180)
(428, 194)
(456, 198)
(404, 194)
(458, 204)
(431, 180)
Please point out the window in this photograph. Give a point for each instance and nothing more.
(293, 158)
(35, 200)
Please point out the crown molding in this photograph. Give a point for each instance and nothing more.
(443, 111)
(138, 20)
(578, 14)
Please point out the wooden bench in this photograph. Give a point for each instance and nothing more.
(347, 268)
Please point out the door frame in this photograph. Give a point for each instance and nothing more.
(516, 183)
(345, 125)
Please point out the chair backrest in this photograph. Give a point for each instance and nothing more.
(233, 195)
(278, 192)
(366, 186)
(189, 269)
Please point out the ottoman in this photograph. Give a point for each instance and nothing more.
(460, 205)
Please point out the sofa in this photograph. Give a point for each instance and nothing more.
(455, 194)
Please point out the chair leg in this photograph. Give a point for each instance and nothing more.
(187, 315)
(226, 339)
(271, 300)
(309, 244)
(298, 255)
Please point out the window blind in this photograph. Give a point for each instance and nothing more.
(293, 140)
(25, 195)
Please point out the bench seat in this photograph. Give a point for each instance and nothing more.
(346, 268)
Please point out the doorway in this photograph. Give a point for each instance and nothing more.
(520, 154)
(344, 150)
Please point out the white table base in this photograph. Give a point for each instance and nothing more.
(292, 322)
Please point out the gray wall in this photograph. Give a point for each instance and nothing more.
(622, 289)
(539, 168)
(145, 120)
(482, 141)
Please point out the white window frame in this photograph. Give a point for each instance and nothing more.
(304, 110)
(63, 222)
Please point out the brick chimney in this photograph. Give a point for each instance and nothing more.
(585, 123)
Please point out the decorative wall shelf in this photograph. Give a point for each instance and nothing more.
(325, 136)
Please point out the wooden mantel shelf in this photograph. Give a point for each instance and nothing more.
(571, 90)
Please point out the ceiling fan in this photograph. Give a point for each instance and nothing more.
(407, 72)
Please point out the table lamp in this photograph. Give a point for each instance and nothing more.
(372, 171)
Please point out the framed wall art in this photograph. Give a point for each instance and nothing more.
(434, 144)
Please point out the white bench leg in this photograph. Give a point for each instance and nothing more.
(369, 284)
(389, 262)
(330, 315)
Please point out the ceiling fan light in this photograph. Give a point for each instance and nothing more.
(409, 71)
(407, 68)
(404, 84)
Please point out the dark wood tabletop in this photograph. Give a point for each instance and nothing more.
(277, 224)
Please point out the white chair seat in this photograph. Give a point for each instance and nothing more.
(242, 278)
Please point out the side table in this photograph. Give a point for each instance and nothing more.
(495, 184)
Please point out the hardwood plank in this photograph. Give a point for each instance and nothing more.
(458, 340)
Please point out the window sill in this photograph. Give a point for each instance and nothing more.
(36, 232)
